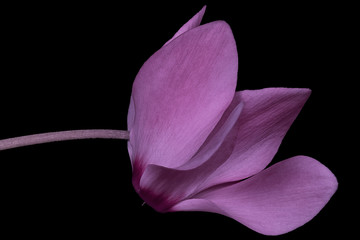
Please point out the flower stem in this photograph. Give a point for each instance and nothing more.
(62, 136)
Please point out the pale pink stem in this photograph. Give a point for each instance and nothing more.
(62, 136)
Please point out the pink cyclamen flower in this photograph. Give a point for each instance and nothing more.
(197, 145)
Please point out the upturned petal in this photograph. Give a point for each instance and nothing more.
(192, 23)
(266, 117)
(277, 200)
(180, 94)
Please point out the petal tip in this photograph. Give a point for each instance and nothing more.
(194, 22)
(306, 91)
(203, 9)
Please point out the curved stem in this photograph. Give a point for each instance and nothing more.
(62, 136)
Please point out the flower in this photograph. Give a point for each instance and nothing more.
(197, 145)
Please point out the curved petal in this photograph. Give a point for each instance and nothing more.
(180, 94)
(266, 117)
(221, 139)
(192, 23)
(162, 187)
(279, 199)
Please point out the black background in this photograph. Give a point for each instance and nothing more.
(71, 66)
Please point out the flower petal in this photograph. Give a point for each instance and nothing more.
(192, 23)
(219, 140)
(162, 187)
(180, 94)
(266, 117)
(279, 199)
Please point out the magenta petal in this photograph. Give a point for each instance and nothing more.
(266, 117)
(162, 187)
(279, 199)
(192, 23)
(221, 141)
(180, 94)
